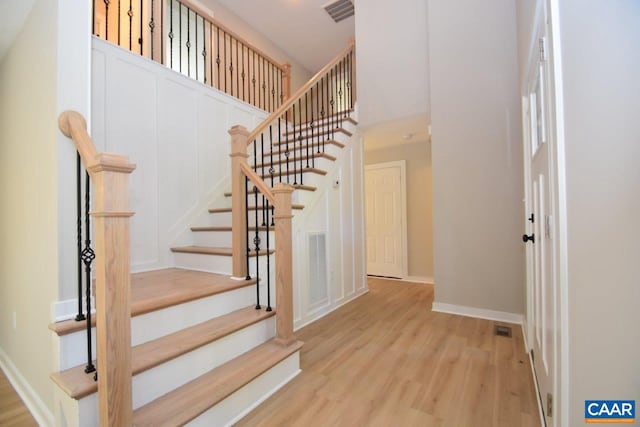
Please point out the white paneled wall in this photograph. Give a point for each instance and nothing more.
(175, 130)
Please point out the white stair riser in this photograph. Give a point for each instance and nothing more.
(215, 263)
(150, 326)
(222, 239)
(318, 163)
(155, 382)
(245, 399)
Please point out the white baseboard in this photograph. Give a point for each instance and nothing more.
(42, 414)
(67, 309)
(481, 313)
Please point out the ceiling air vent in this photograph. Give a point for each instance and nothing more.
(339, 10)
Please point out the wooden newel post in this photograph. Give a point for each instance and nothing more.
(284, 264)
(238, 156)
(286, 81)
(110, 179)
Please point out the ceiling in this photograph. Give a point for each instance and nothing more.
(13, 13)
(302, 28)
(397, 132)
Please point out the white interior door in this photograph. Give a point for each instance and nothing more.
(542, 322)
(385, 195)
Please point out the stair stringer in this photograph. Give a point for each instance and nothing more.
(346, 275)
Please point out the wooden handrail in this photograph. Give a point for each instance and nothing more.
(226, 29)
(258, 182)
(110, 178)
(298, 94)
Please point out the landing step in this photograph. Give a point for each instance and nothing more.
(251, 208)
(294, 172)
(77, 384)
(277, 161)
(206, 250)
(194, 398)
(158, 289)
(295, 186)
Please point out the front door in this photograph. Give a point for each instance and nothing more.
(541, 306)
(385, 216)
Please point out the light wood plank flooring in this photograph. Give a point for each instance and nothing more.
(387, 360)
(13, 413)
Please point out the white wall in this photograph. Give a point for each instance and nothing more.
(28, 190)
(600, 66)
(175, 130)
(392, 61)
(337, 212)
(476, 150)
(299, 74)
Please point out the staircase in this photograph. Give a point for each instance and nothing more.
(204, 347)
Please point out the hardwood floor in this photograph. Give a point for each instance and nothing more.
(387, 360)
(13, 413)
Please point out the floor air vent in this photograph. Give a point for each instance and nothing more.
(339, 10)
(503, 331)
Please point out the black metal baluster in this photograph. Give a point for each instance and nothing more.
(204, 50)
(256, 242)
(224, 45)
(271, 166)
(322, 112)
(293, 136)
(261, 173)
(264, 88)
(162, 59)
(180, 34)
(244, 88)
(171, 34)
(188, 43)
(130, 14)
(196, 51)
(339, 81)
(268, 262)
(218, 56)
(253, 78)
(332, 102)
(287, 153)
(273, 90)
(237, 66)
(87, 257)
(140, 39)
(119, 26)
(231, 62)
(279, 149)
(212, 81)
(80, 316)
(151, 27)
(349, 83)
(306, 121)
(318, 100)
(246, 220)
(299, 129)
(311, 125)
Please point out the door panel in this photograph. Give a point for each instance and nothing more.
(384, 196)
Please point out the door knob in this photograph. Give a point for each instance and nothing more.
(526, 238)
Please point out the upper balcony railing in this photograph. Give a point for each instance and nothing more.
(187, 39)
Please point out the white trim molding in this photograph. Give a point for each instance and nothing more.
(480, 313)
(39, 411)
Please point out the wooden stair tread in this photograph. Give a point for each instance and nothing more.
(292, 172)
(228, 228)
(277, 161)
(195, 397)
(307, 134)
(295, 186)
(208, 250)
(298, 147)
(251, 208)
(158, 289)
(77, 384)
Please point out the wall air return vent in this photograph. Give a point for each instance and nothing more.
(339, 10)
